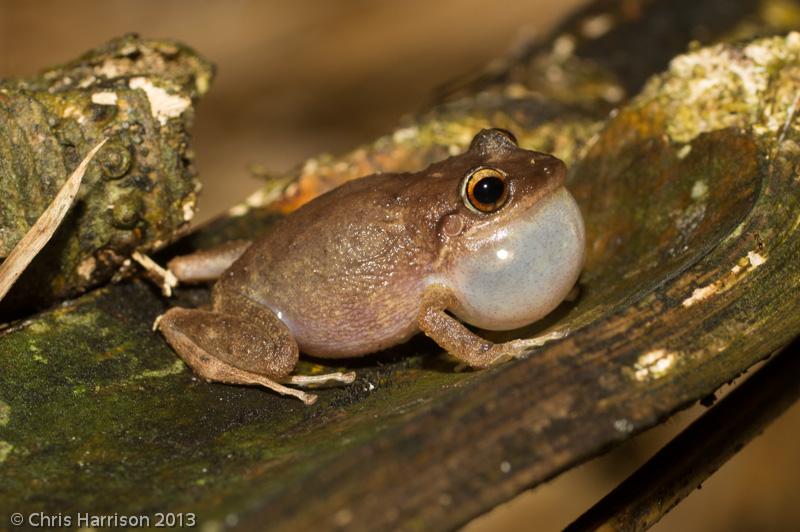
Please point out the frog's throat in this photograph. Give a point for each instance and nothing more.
(520, 271)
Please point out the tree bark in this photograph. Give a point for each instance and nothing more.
(138, 194)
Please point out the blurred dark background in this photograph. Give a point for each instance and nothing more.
(298, 78)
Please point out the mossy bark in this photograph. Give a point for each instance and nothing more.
(138, 193)
(691, 201)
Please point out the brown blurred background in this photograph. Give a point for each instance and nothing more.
(297, 78)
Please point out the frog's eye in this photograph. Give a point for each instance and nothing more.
(485, 190)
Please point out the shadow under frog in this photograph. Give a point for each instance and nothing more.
(490, 237)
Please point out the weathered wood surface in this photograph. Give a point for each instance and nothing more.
(687, 461)
(692, 208)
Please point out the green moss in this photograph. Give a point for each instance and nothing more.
(115, 401)
(5, 413)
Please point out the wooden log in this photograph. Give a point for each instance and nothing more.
(699, 451)
(690, 197)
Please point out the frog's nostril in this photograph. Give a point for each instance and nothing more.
(555, 168)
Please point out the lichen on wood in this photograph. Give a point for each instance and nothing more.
(138, 194)
(555, 94)
(691, 278)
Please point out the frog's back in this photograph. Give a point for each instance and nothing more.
(345, 272)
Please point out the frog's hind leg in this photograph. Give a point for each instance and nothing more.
(207, 265)
(230, 302)
(201, 266)
(225, 348)
(239, 342)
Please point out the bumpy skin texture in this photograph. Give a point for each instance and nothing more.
(371, 263)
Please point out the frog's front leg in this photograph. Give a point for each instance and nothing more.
(239, 342)
(462, 343)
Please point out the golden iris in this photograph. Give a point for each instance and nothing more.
(485, 190)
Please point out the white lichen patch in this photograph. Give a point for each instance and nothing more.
(310, 166)
(238, 210)
(684, 151)
(699, 190)
(748, 263)
(163, 105)
(691, 218)
(87, 82)
(262, 197)
(755, 259)
(699, 294)
(405, 134)
(108, 69)
(188, 210)
(623, 425)
(86, 267)
(727, 86)
(104, 98)
(654, 364)
(74, 113)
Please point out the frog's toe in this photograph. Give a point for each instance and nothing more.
(313, 380)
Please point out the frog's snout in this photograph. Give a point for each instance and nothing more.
(553, 167)
(523, 270)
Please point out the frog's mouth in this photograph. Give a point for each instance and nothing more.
(530, 202)
(520, 271)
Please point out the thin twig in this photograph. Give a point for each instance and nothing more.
(165, 279)
(42, 231)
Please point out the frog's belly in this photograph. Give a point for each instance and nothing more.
(341, 325)
(343, 292)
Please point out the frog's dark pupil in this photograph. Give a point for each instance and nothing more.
(489, 190)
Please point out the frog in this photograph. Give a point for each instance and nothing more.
(489, 238)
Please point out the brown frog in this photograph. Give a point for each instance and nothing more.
(490, 236)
